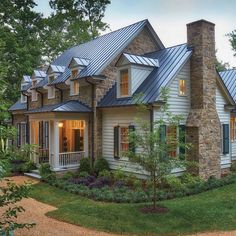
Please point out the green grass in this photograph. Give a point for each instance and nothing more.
(210, 211)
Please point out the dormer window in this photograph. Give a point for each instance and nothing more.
(182, 87)
(74, 73)
(124, 83)
(50, 79)
(34, 95)
(74, 87)
(23, 98)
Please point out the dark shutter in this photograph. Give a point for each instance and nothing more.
(116, 142)
(131, 144)
(225, 138)
(163, 133)
(182, 140)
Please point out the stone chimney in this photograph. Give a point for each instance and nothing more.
(203, 124)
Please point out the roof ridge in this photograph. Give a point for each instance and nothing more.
(142, 21)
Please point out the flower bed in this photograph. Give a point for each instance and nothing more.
(103, 188)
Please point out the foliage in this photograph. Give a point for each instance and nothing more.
(68, 175)
(84, 165)
(119, 175)
(232, 40)
(233, 167)
(83, 174)
(156, 149)
(6, 133)
(46, 172)
(101, 164)
(105, 173)
(28, 166)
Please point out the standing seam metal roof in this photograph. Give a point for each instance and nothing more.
(229, 79)
(18, 106)
(102, 50)
(171, 61)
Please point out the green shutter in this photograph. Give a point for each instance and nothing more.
(116, 142)
(131, 144)
(225, 138)
(182, 141)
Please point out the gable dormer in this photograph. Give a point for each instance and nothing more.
(132, 71)
(53, 72)
(76, 65)
(36, 78)
(25, 84)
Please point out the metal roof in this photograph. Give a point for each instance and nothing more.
(68, 106)
(39, 74)
(103, 49)
(18, 106)
(229, 79)
(26, 87)
(141, 60)
(27, 78)
(56, 68)
(81, 61)
(62, 78)
(171, 61)
(41, 83)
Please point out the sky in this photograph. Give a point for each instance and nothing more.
(169, 19)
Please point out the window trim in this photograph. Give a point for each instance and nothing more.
(34, 95)
(185, 87)
(72, 87)
(52, 89)
(120, 143)
(128, 68)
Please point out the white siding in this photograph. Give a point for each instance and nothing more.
(233, 150)
(224, 117)
(110, 118)
(138, 75)
(178, 104)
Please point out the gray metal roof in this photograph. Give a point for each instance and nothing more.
(27, 78)
(68, 106)
(41, 83)
(39, 74)
(81, 61)
(102, 50)
(56, 68)
(26, 87)
(229, 79)
(18, 106)
(171, 61)
(141, 60)
(62, 78)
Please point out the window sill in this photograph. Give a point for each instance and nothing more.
(49, 98)
(180, 95)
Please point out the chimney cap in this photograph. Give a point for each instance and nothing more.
(200, 21)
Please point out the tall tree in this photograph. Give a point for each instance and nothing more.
(20, 27)
(232, 40)
(73, 22)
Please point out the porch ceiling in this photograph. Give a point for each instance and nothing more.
(68, 106)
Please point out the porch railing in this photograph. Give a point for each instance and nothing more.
(70, 159)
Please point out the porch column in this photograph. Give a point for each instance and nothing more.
(55, 142)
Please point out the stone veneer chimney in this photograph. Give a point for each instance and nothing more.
(203, 124)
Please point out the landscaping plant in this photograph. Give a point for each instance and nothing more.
(158, 143)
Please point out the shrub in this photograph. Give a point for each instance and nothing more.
(119, 175)
(46, 172)
(68, 175)
(28, 166)
(100, 183)
(173, 183)
(190, 180)
(105, 173)
(137, 184)
(83, 174)
(233, 167)
(86, 180)
(84, 165)
(101, 164)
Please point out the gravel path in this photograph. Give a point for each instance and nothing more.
(45, 226)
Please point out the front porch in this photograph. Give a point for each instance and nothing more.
(62, 139)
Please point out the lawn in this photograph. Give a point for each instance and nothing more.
(210, 211)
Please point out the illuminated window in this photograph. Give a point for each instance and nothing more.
(74, 73)
(232, 128)
(172, 140)
(124, 139)
(182, 87)
(124, 83)
(34, 96)
(74, 87)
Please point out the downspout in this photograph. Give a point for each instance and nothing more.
(61, 92)
(92, 118)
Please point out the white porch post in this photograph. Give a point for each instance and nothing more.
(86, 141)
(55, 145)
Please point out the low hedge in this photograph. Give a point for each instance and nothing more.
(124, 194)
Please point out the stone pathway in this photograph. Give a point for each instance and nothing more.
(45, 226)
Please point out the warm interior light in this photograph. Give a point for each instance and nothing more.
(60, 125)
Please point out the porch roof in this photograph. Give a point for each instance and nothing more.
(68, 106)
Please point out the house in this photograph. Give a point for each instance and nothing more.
(82, 105)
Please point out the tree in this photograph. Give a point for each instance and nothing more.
(20, 27)
(232, 40)
(157, 151)
(73, 22)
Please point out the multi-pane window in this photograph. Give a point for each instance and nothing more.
(172, 140)
(182, 87)
(74, 73)
(124, 83)
(50, 79)
(124, 139)
(74, 87)
(21, 134)
(232, 129)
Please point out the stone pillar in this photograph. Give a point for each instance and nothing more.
(203, 125)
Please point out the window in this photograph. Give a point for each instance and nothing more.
(51, 92)
(121, 140)
(124, 83)
(74, 73)
(74, 87)
(50, 79)
(23, 98)
(172, 140)
(232, 128)
(34, 82)
(21, 134)
(182, 87)
(34, 95)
